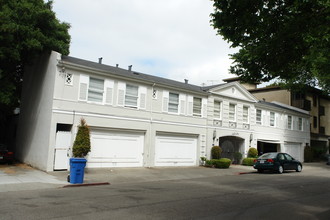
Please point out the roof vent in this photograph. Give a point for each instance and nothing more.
(117, 65)
(100, 60)
(185, 81)
(130, 67)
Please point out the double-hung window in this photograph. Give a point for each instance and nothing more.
(95, 90)
(300, 124)
(232, 112)
(272, 119)
(173, 102)
(289, 122)
(217, 109)
(131, 96)
(197, 107)
(245, 114)
(259, 117)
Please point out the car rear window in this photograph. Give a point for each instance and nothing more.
(268, 155)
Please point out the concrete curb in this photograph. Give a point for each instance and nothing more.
(86, 184)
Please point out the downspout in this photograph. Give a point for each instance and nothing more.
(150, 124)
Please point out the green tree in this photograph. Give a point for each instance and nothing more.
(287, 40)
(82, 144)
(28, 28)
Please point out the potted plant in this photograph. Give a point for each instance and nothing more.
(81, 147)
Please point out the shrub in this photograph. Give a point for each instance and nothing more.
(253, 152)
(222, 163)
(218, 163)
(208, 163)
(216, 152)
(308, 154)
(237, 157)
(249, 161)
(82, 145)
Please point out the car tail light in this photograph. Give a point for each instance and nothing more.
(270, 160)
(255, 160)
(10, 153)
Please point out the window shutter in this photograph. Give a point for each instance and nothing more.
(108, 88)
(190, 105)
(165, 101)
(142, 97)
(204, 108)
(83, 87)
(182, 103)
(121, 94)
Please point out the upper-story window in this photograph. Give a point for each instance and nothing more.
(272, 119)
(232, 112)
(217, 109)
(300, 124)
(259, 117)
(173, 103)
(131, 96)
(95, 90)
(245, 114)
(197, 107)
(289, 122)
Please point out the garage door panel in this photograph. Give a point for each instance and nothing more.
(116, 150)
(294, 149)
(175, 151)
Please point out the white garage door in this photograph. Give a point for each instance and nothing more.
(114, 149)
(175, 151)
(294, 149)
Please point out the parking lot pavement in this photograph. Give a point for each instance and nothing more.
(22, 177)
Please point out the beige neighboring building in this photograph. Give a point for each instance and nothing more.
(312, 100)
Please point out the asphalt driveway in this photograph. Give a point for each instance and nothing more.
(23, 177)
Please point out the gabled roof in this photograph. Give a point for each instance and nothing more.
(231, 90)
(120, 72)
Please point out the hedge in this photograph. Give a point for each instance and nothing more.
(218, 163)
(249, 161)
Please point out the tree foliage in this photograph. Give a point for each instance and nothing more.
(82, 144)
(28, 28)
(277, 39)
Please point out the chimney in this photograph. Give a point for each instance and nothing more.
(100, 60)
(117, 65)
(186, 81)
(130, 67)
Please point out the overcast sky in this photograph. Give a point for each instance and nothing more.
(167, 38)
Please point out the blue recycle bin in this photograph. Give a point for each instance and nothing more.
(77, 170)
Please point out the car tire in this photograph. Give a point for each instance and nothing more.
(260, 170)
(299, 168)
(280, 169)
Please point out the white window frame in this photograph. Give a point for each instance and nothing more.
(246, 115)
(132, 96)
(259, 122)
(232, 114)
(289, 124)
(95, 90)
(197, 109)
(272, 121)
(217, 109)
(172, 103)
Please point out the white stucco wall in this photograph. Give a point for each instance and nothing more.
(32, 145)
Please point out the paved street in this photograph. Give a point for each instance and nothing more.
(250, 195)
